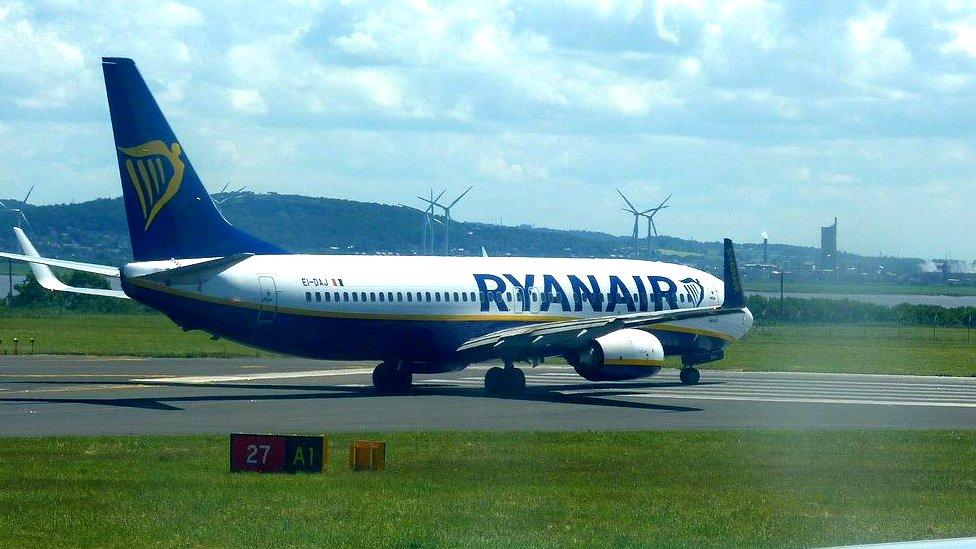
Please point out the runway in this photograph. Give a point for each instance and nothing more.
(85, 396)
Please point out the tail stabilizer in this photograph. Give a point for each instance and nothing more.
(169, 212)
(735, 298)
(49, 281)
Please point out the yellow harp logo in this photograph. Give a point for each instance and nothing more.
(156, 172)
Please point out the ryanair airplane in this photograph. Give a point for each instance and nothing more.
(610, 319)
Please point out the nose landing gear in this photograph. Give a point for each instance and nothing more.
(507, 381)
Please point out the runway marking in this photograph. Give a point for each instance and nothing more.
(81, 389)
(679, 396)
(75, 375)
(255, 377)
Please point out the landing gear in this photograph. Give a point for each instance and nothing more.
(507, 381)
(689, 376)
(392, 378)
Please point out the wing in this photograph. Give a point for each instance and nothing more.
(103, 270)
(46, 278)
(559, 338)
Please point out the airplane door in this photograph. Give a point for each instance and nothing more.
(535, 301)
(269, 299)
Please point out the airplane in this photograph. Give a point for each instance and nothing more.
(610, 319)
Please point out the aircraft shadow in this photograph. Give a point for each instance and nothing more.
(533, 393)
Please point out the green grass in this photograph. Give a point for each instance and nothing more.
(670, 489)
(858, 289)
(113, 335)
(849, 348)
(854, 349)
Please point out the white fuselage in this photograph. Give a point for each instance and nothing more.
(436, 302)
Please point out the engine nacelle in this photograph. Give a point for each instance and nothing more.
(620, 355)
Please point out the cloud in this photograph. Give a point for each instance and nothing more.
(247, 101)
(735, 102)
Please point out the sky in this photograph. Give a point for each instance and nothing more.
(757, 115)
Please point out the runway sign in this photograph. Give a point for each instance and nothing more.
(278, 453)
(367, 455)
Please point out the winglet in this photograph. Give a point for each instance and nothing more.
(734, 296)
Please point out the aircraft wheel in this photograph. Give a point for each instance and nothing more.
(495, 381)
(689, 376)
(388, 379)
(516, 381)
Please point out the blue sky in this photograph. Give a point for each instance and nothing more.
(757, 115)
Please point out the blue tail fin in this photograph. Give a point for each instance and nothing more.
(169, 211)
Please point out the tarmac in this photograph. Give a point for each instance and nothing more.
(42, 395)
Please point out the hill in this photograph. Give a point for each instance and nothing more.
(95, 231)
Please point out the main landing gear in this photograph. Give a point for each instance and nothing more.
(689, 376)
(392, 378)
(507, 381)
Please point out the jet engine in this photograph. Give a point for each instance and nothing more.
(620, 355)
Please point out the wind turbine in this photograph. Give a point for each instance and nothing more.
(19, 212)
(630, 208)
(21, 216)
(225, 196)
(447, 216)
(648, 214)
(427, 228)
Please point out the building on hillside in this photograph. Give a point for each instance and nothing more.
(828, 247)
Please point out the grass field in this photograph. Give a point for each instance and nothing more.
(854, 349)
(113, 335)
(877, 288)
(851, 348)
(506, 489)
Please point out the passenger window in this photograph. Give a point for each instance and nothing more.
(410, 297)
(355, 296)
(473, 297)
(428, 297)
(535, 298)
(318, 296)
(420, 297)
(327, 295)
(457, 297)
(335, 296)
(345, 296)
(372, 296)
(682, 298)
(389, 296)
(308, 296)
(437, 296)
(464, 296)
(508, 296)
(362, 296)
(400, 296)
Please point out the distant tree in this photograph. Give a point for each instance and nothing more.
(31, 294)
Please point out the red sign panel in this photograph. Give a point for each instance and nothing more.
(263, 453)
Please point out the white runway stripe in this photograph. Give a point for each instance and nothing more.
(798, 400)
(255, 377)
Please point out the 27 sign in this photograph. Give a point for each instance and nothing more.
(278, 453)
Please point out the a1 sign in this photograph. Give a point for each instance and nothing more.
(278, 453)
